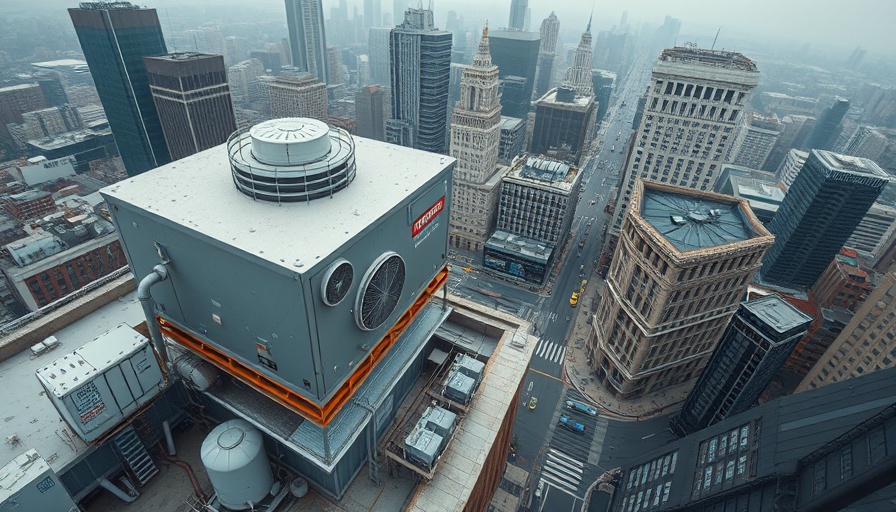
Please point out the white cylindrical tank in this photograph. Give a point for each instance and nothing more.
(237, 465)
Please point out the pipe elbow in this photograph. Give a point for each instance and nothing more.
(159, 274)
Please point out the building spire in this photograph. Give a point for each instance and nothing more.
(483, 58)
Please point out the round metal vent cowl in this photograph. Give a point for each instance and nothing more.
(337, 281)
(380, 291)
(290, 141)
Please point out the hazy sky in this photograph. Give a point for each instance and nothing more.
(824, 23)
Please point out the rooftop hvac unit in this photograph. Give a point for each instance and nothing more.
(292, 252)
(472, 368)
(99, 384)
(441, 421)
(28, 483)
(422, 447)
(459, 387)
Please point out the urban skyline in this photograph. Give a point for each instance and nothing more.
(415, 260)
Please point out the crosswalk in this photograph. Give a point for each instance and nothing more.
(550, 351)
(563, 471)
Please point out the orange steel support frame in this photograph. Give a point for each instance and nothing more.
(319, 414)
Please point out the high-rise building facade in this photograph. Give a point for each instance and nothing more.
(565, 116)
(867, 142)
(373, 14)
(192, 99)
(695, 101)
(475, 138)
(680, 270)
(845, 284)
(243, 79)
(114, 38)
(16, 100)
(516, 55)
(378, 51)
(307, 39)
(791, 167)
(513, 135)
(758, 340)
(518, 10)
(827, 201)
(794, 130)
(369, 113)
(563, 125)
(547, 52)
(756, 136)
(538, 199)
(865, 345)
(828, 126)
(871, 234)
(603, 82)
(420, 57)
(302, 96)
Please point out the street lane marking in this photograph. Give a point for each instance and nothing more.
(558, 379)
(569, 459)
(559, 481)
(562, 355)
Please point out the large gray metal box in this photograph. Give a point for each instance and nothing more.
(28, 483)
(101, 383)
(246, 276)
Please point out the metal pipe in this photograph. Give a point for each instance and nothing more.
(159, 274)
(123, 496)
(169, 438)
(373, 468)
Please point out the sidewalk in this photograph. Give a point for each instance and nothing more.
(580, 375)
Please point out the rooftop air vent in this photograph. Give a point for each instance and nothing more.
(337, 281)
(291, 159)
(380, 291)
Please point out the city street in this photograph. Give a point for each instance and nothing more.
(563, 463)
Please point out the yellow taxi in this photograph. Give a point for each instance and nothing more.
(574, 299)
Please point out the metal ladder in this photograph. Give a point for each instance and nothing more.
(134, 456)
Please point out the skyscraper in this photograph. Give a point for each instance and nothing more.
(564, 123)
(301, 96)
(516, 55)
(758, 340)
(16, 100)
(578, 76)
(564, 117)
(373, 14)
(378, 51)
(828, 199)
(475, 137)
(680, 270)
(307, 40)
(694, 103)
(369, 113)
(865, 345)
(754, 139)
(547, 51)
(827, 126)
(114, 38)
(867, 142)
(420, 58)
(192, 98)
(518, 10)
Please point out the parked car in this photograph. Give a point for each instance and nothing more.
(532, 403)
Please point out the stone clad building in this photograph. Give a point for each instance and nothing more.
(681, 266)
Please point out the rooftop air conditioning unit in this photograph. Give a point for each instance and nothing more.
(293, 251)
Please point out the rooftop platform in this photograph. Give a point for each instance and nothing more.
(777, 313)
(693, 220)
(29, 416)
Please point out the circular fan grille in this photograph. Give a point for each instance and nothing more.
(380, 291)
(336, 283)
